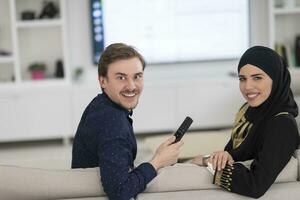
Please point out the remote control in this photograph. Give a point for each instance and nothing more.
(183, 128)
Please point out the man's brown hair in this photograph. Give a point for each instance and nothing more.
(115, 52)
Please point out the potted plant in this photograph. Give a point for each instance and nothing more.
(37, 71)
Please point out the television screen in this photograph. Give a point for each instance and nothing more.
(167, 31)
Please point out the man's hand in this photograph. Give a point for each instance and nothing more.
(219, 159)
(166, 154)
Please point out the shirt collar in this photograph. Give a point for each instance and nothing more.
(109, 102)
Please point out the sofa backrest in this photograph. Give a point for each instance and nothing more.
(31, 183)
(289, 172)
(39, 184)
(297, 155)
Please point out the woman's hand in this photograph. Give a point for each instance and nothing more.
(219, 159)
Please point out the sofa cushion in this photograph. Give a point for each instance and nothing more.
(31, 183)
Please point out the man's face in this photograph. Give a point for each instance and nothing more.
(124, 82)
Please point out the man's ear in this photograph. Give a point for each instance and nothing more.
(102, 81)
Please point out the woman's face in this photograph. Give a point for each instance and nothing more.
(255, 85)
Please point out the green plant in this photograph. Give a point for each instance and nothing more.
(37, 67)
(78, 72)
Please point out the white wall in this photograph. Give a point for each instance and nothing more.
(78, 19)
(259, 22)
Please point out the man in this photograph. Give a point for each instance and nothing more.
(105, 136)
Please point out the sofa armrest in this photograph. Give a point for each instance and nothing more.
(31, 183)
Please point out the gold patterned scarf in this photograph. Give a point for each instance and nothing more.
(241, 127)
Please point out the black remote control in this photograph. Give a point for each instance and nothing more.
(183, 128)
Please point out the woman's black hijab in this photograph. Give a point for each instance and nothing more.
(281, 97)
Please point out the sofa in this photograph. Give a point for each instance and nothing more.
(178, 182)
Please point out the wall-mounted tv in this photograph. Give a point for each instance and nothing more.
(167, 31)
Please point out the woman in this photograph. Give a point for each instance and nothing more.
(264, 130)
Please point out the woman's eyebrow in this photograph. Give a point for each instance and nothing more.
(257, 75)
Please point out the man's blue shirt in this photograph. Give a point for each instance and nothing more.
(105, 139)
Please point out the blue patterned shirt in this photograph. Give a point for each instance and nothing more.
(105, 139)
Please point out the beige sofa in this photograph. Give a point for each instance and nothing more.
(182, 181)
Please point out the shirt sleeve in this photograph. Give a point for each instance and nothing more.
(238, 154)
(280, 142)
(119, 179)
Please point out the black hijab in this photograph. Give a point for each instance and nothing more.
(281, 98)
